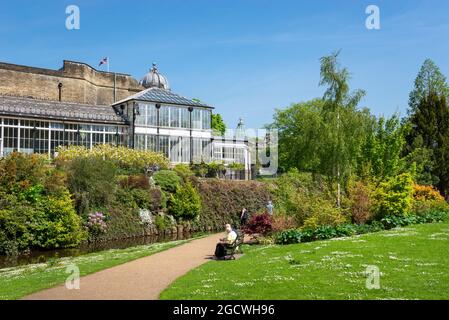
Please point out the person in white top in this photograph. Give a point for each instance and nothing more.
(230, 236)
(270, 208)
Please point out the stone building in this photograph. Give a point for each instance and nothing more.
(41, 109)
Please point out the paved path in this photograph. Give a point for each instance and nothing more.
(144, 278)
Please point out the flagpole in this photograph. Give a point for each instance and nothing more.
(108, 63)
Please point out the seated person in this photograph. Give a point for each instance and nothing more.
(231, 235)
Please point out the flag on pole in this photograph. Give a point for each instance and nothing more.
(103, 61)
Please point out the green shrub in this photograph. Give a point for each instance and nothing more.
(429, 217)
(50, 223)
(92, 181)
(298, 195)
(345, 230)
(142, 198)
(394, 197)
(374, 226)
(167, 180)
(288, 236)
(20, 171)
(125, 198)
(30, 176)
(62, 226)
(200, 169)
(161, 223)
(36, 209)
(185, 203)
(122, 221)
(184, 171)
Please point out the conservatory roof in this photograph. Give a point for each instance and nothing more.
(158, 95)
(18, 106)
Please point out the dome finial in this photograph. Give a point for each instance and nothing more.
(240, 131)
(154, 79)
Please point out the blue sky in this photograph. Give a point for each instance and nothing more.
(245, 57)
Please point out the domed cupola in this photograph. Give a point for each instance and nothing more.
(154, 79)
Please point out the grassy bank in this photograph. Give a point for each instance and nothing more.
(20, 281)
(412, 261)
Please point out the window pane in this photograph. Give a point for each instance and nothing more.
(140, 141)
(10, 139)
(206, 118)
(163, 116)
(185, 117)
(185, 149)
(97, 138)
(164, 145)
(174, 117)
(141, 116)
(57, 139)
(41, 145)
(196, 119)
(175, 149)
(151, 115)
(26, 140)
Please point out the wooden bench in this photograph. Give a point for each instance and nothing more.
(235, 247)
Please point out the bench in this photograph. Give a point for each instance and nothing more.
(235, 247)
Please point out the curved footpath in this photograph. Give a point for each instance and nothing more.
(141, 279)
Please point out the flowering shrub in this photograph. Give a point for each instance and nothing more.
(428, 199)
(422, 193)
(259, 224)
(96, 224)
(125, 158)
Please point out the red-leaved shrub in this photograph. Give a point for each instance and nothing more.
(259, 224)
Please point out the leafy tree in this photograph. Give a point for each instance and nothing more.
(299, 135)
(218, 125)
(429, 79)
(343, 125)
(325, 136)
(420, 159)
(381, 152)
(430, 127)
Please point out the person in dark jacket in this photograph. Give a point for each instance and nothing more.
(244, 217)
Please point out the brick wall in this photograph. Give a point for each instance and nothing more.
(80, 83)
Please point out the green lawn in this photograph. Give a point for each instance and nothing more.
(20, 281)
(413, 262)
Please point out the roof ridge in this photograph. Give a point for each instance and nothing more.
(5, 95)
(176, 98)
